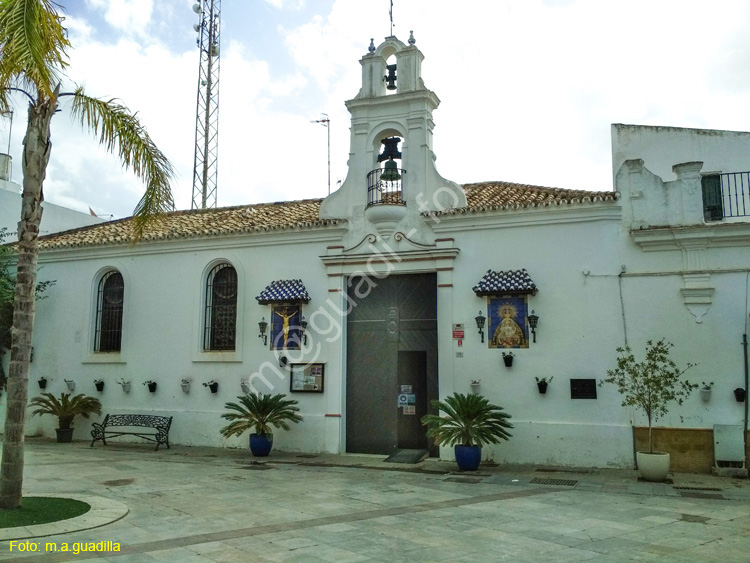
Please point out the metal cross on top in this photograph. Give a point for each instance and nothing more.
(390, 13)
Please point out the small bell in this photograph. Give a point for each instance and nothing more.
(390, 78)
(390, 172)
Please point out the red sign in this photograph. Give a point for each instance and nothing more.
(458, 334)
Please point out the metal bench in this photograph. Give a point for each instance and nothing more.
(109, 428)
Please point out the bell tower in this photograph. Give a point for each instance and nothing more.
(392, 177)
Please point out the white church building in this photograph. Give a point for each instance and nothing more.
(366, 305)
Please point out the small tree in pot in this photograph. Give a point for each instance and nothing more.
(65, 409)
(650, 385)
(469, 422)
(260, 412)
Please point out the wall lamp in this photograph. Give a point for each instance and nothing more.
(533, 319)
(263, 325)
(303, 329)
(480, 318)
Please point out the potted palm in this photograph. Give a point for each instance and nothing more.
(260, 412)
(650, 385)
(65, 409)
(469, 422)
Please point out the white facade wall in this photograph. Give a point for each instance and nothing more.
(163, 309)
(567, 255)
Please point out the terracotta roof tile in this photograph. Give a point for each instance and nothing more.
(491, 196)
(198, 223)
(485, 196)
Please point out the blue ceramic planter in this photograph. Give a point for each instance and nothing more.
(260, 445)
(468, 457)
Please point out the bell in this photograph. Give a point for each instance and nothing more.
(390, 78)
(390, 172)
(390, 148)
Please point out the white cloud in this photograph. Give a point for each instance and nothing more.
(132, 17)
(289, 4)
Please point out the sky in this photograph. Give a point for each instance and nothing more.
(528, 88)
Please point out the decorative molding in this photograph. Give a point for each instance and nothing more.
(692, 237)
(697, 294)
(374, 256)
(514, 218)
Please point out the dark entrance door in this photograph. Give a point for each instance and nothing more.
(391, 362)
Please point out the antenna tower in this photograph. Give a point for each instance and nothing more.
(205, 164)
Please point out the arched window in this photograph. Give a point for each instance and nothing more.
(110, 297)
(220, 325)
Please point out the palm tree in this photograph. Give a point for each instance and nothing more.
(33, 46)
(260, 412)
(469, 420)
(66, 408)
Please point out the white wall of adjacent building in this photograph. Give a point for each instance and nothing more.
(55, 218)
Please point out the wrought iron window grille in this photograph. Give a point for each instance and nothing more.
(220, 319)
(110, 301)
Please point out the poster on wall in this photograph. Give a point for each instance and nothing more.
(307, 378)
(285, 326)
(507, 320)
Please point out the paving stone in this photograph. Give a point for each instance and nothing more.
(201, 504)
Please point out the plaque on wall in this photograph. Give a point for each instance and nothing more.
(307, 378)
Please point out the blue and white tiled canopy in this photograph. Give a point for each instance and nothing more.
(510, 281)
(281, 291)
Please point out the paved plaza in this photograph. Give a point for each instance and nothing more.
(203, 504)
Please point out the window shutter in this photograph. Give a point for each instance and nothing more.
(712, 206)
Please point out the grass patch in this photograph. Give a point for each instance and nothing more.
(40, 510)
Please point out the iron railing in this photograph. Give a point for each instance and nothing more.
(381, 191)
(726, 195)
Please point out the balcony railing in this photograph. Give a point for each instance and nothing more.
(726, 195)
(381, 191)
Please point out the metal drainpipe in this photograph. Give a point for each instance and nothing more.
(744, 346)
